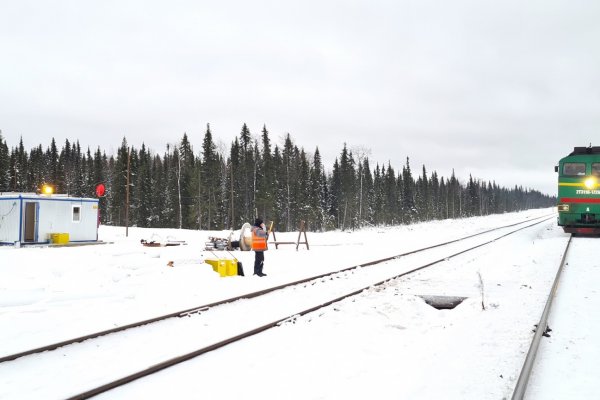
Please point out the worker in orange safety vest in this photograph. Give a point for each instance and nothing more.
(259, 246)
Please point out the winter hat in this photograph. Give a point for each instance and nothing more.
(258, 222)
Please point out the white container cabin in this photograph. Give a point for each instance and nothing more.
(29, 218)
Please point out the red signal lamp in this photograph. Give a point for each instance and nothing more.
(100, 190)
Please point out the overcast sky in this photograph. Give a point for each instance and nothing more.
(498, 89)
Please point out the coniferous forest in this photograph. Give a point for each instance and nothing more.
(184, 188)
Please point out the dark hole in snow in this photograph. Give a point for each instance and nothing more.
(442, 302)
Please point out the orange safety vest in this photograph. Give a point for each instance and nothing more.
(259, 239)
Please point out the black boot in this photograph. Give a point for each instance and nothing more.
(259, 260)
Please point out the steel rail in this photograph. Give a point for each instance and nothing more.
(185, 357)
(542, 326)
(204, 307)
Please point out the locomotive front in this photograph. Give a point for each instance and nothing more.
(579, 191)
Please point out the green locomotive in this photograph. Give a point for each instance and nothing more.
(579, 191)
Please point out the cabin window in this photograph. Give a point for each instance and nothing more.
(76, 213)
(574, 169)
(596, 169)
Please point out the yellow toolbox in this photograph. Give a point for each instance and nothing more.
(224, 266)
(232, 269)
(59, 238)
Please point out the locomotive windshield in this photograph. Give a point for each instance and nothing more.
(574, 169)
(596, 169)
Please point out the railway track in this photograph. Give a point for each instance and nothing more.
(540, 331)
(211, 312)
(563, 364)
(188, 311)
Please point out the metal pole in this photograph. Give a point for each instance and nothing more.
(127, 194)
(232, 216)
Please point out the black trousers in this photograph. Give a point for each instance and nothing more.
(259, 261)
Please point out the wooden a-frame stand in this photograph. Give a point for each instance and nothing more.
(297, 242)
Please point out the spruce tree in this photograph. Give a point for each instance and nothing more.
(422, 197)
(290, 160)
(100, 173)
(35, 169)
(134, 201)
(211, 189)
(335, 194)
(368, 194)
(4, 165)
(188, 182)
(318, 193)
(472, 205)
(170, 215)
(18, 168)
(444, 205)
(142, 189)
(220, 197)
(64, 160)
(279, 189)
(379, 196)
(390, 183)
(78, 169)
(348, 193)
(235, 187)
(434, 196)
(89, 186)
(302, 192)
(55, 172)
(265, 180)
(454, 197)
(158, 195)
(118, 185)
(247, 175)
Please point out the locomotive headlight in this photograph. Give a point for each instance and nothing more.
(563, 207)
(590, 183)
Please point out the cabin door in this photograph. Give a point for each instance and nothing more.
(31, 221)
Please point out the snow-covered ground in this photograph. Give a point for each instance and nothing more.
(381, 344)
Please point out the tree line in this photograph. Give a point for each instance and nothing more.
(213, 191)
